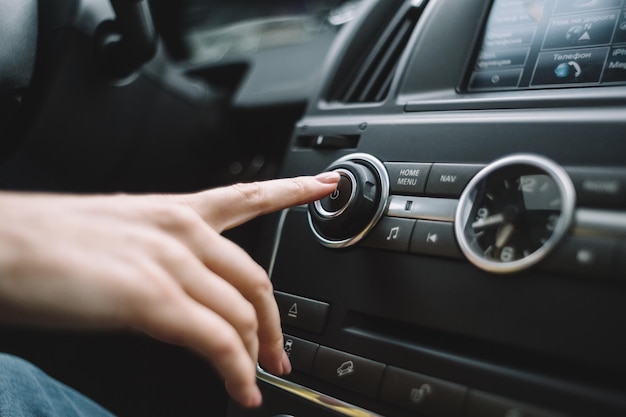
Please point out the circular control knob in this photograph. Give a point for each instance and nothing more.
(345, 216)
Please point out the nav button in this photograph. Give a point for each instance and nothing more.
(449, 180)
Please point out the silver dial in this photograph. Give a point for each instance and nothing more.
(346, 216)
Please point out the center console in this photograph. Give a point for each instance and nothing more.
(472, 261)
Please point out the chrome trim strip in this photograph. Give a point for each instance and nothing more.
(315, 397)
(424, 208)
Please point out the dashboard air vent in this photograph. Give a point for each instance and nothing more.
(366, 75)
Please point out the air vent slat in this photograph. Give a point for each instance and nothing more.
(370, 79)
(365, 70)
(383, 71)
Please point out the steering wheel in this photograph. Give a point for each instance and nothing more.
(18, 39)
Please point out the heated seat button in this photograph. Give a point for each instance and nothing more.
(349, 371)
(423, 394)
(300, 352)
(302, 313)
(481, 404)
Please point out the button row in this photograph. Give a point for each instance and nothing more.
(437, 180)
(423, 237)
(595, 187)
(376, 380)
(598, 257)
(419, 225)
(596, 247)
(412, 391)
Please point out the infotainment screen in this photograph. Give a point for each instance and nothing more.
(551, 43)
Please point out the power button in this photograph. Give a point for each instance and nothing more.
(344, 217)
(336, 203)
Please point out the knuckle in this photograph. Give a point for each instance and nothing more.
(173, 253)
(227, 345)
(247, 320)
(297, 186)
(250, 190)
(261, 285)
(158, 294)
(254, 193)
(177, 216)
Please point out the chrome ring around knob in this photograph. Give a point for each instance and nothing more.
(359, 221)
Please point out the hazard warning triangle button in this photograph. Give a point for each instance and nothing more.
(303, 313)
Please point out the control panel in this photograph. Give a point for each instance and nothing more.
(503, 217)
(402, 308)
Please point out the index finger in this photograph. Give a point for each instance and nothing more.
(228, 207)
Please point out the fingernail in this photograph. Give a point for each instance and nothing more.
(330, 177)
(286, 364)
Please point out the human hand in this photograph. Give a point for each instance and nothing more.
(157, 264)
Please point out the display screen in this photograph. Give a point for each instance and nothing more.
(529, 44)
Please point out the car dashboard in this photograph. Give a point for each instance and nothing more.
(472, 261)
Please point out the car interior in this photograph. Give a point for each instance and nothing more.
(470, 263)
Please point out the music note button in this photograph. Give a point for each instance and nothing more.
(391, 233)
